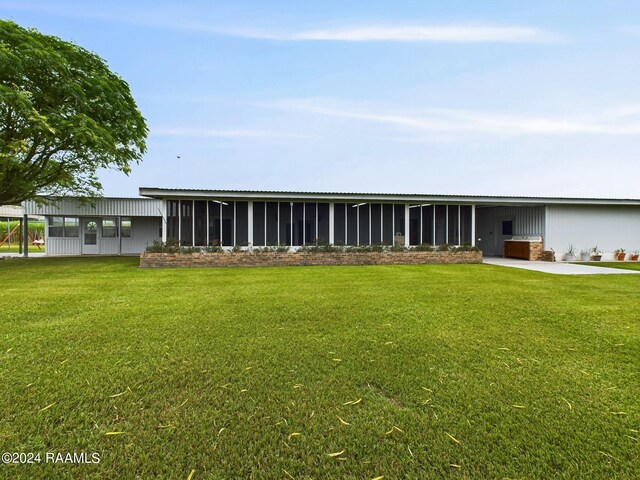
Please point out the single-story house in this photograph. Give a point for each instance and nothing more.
(261, 218)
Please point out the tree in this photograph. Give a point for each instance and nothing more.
(63, 116)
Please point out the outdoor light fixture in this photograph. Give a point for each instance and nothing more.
(221, 203)
(423, 205)
(358, 205)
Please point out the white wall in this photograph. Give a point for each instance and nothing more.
(585, 226)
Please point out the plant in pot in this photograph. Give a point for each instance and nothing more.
(620, 254)
(634, 256)
(596, 255)
(585, 255)
(570, 254)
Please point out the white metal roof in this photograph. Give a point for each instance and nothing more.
(479, 200)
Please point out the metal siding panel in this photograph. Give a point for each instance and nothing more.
(128, 207)
(144, 231)
(607, 227)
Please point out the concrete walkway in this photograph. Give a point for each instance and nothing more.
(559, 268)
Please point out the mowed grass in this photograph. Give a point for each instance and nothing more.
(319, 372)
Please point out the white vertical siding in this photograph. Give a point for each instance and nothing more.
(143, 232)
(114, 207)
(585, 226)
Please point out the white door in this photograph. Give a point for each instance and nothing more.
(90, 236)
(504, 231)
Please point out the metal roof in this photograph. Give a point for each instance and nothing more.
(487, 200)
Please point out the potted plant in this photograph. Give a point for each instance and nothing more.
(585, 255)
(570, 254)
(620, 254)
(634, 256)
(596, 255)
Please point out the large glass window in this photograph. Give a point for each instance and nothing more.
(298, 223)
(272, 223)
(352, 224)
(310, 223)
(285, 223)
(323, 223)
(227, 224)
(415, 230)
(387, 224)
(376, 224)
(465, 212)
(125, 227)
(441, 224)
(172, 220)
(200, 222)
(109, 227)
(56, 226)
(363, 224)
(258, 223)
(339, 227)
(215, 237)
(427, 224)
(242, 224)
(71, 227)
(186, 222)
(453, 225)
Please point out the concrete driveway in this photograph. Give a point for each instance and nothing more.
(559, 268)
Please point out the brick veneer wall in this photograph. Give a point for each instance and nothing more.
(271, 259)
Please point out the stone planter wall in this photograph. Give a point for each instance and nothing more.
(272, 259)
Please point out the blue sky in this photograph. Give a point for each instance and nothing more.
(461, 97)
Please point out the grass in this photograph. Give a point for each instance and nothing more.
(623, 265)
(319, 372)
(14, 248)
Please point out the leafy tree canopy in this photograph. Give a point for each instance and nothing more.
(63, 116)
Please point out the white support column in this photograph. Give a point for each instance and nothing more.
(407, 224)
(207, 225)
(250, 220)
(164, 221)
(473, 225)
(331, 229)
(446, 224)
(434, 225)
(459, 229)
(358, 225)
(179, 222)
(193, 223)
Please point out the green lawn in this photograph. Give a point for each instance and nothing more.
(14, 248)
(470, 371)
(623, 265)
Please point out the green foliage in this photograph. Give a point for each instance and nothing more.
(63, 115)
(215, 369)
(36, 228)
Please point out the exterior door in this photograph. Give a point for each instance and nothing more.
(90, 236)
(504, 231)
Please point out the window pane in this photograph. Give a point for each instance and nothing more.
(109, 228)
(272, 223)
(214, 223)
(339, 230)
(363, 224)
(227, 224)
(285, 223)
(466, 223)
(298, 212)
(376, 222)
(441, 224)
(398, 212)
(323, 223)
(242, 223)
(310, 223)
(454, 237)
(414, 224)
(71, 227)
(125, 227)
(186, 222)
(387, 224)
(56, 227)
(258, 223)
(427, 224)
(172, 220)
(352, 224)
(200, 219)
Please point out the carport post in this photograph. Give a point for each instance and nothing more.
(25, 234)
(473, 225)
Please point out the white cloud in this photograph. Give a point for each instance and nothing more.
(464, 121)
(407, 33)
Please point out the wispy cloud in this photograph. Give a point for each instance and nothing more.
(407, 33)
(356, 32)
(198, 132)
(466, 121)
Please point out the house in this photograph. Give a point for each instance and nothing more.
(261, 218)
